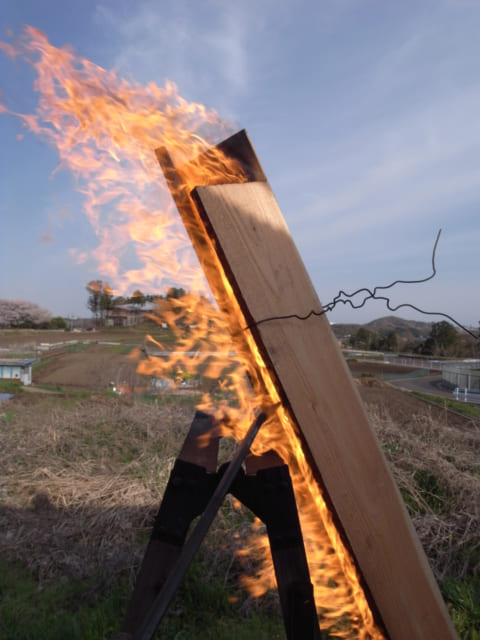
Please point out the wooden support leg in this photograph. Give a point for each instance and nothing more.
(269, 494)
(187, 493)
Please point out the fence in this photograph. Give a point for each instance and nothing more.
(462, 376)
(413, 362)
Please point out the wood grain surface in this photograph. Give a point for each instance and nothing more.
(269, 279)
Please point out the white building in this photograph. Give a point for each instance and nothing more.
(17, 369)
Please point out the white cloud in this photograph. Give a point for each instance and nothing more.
(202, 49)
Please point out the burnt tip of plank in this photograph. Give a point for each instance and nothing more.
(237, 147)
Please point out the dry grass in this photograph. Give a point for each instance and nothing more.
(82, 480)
(437, 469)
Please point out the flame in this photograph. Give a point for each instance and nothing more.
(105, 130)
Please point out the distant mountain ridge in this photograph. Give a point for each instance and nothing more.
(406, 330)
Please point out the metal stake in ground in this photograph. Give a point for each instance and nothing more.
(162, 601)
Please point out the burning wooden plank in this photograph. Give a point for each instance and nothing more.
(259, 279)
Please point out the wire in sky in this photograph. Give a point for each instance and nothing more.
(347, 299)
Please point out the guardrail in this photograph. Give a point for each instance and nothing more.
(463, 376)
(466, 395)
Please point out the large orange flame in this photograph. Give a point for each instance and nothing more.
(105, 130)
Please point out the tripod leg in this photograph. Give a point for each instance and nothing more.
(269, 494)
(189, 488)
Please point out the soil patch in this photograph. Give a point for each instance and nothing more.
(360, 367)
(92, 369)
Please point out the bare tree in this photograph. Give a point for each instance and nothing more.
(100, 298)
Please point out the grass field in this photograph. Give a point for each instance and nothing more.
(82, 478)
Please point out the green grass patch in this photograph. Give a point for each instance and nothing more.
(78, 611)
(11, 386)
(169, 399)
(123, 349)
(432, 493)
(465, 409)
(67, 609)
(51, 387)
(39, 365)
(428, 494)
(463, 600)
(79, 347)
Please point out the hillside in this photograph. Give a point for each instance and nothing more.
(406, 330)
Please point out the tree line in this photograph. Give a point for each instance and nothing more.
(23, 314)
(443, 340)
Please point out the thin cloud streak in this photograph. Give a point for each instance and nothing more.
(201, 56)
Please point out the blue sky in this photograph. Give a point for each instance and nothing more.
(364, 114)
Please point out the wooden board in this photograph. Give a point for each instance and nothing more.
(263, 266)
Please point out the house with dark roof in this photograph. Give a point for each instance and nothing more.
(128, 315)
